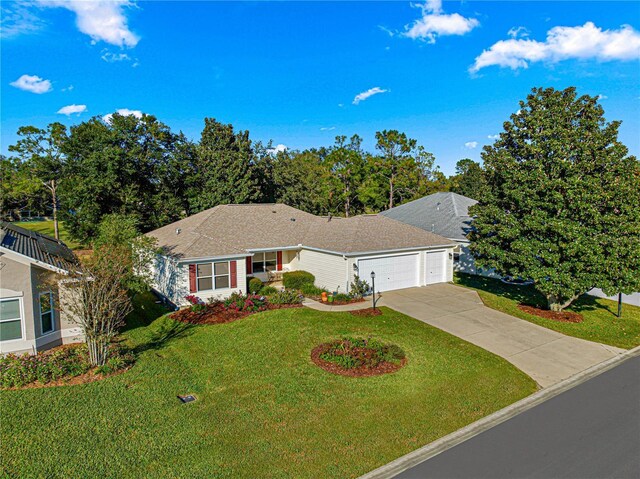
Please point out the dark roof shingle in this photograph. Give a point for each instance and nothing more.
(36, 246)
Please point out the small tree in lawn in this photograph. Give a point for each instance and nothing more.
(563, 206)
(96, 300)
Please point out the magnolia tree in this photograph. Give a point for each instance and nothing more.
(563, 202)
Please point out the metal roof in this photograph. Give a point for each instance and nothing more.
(445, 214)
(37, 246)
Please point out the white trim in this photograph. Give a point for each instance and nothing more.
(23, 331)
(210, 259)
(33, 261)
(52, 311)
(267, 250)
(390, 252)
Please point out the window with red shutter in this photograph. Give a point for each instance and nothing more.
(279, 260)
(233, 269)
(193, 287)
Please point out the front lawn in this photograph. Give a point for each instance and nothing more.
(600, 321)
(263, 408)
(46, 228)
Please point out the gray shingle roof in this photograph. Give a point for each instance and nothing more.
(36, 246)
(238, 229)
(446, 214)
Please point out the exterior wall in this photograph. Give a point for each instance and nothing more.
(171, 280)
(467, 264)
(26, 281)
(330, 270)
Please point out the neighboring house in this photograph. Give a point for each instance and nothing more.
(29, 318)
(211, 254)
(445, 214)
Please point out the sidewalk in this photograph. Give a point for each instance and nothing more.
(310, 303)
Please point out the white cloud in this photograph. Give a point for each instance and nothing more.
(277, 149)
(102, 20)
(493, 137)
(602, 97)
(369, 93)
(386, 30)
(111, 57)
(71, 109)
(434, 23)
(327, 128)
(471, 145)
(340, 105)
(69, 88)
(123, 112)
(18, 19)
(32, 83)
(563, 43)
(516, 32)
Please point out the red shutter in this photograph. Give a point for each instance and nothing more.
(193, 284)
(233, 269)
(279, 260)
(249, 264)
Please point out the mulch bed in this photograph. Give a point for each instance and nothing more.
(381, 368)
(562, 316)
(367, 312)
(336, 303)
(217, 314)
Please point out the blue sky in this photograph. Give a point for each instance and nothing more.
(291, 72)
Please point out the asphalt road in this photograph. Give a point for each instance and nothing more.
(590, 431)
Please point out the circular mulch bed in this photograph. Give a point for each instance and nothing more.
(562, 316)
(382, 368)
(367, 312)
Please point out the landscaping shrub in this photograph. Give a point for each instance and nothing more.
(297, 279)
(255, 285)
(352, 353)
(64, 362)
(287, 296)
(359, 287)
(342, 297)
(268, 290)
(240, 302)
(310, 290)
(196, 303)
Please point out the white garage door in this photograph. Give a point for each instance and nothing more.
(435, 267)
(392, 272)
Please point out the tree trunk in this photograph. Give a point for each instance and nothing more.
(54, 199)
(98, 350)
(391, 192)
(555, 304)
(347, 203)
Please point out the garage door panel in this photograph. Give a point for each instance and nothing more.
(392, 272)
(435, 270)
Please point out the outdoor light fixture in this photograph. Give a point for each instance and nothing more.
(373, 288)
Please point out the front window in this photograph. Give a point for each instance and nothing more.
(46, 312)
(263, 262)
(212, 276)
(10, 319)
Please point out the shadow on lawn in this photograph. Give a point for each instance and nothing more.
(168, 331)
(526, 295)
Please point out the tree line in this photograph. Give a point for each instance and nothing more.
(140, 167)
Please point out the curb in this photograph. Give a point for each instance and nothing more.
(434, 448)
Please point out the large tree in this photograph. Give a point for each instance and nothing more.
(128, 165)
(469, 179)
(395, 149)
(224, 168)
(42, 151)
(19, 190)
(347, 163)
(564, 200)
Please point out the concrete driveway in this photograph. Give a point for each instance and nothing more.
(545, 355)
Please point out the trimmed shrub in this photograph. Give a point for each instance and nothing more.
(297, 279)
(268, 290)
(255, 285)
(342, 297)
(240, 302)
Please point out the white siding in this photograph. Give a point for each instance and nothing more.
(172, 281)
(633, 298)
(467, 264)
(330, 270)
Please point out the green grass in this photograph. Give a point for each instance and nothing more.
(46, 227)
(263, 409)
(600, 321)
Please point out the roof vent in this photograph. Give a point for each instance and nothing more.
(178, 231)
(293, 219)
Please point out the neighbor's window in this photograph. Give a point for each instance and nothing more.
(212, 274)
(10, 319)
(456, 257)
(263, 262)
(46, 312)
